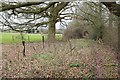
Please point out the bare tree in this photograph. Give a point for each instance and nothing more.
(34, 14)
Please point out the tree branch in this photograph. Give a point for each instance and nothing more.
(37, 11)
(113, 7)
(9, 7)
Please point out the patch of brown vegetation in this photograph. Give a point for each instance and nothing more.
(94, 60)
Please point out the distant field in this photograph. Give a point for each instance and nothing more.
(16, 37)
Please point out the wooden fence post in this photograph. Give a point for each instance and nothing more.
(23, 43)
(43, 40)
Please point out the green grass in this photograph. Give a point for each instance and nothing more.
(16, 37)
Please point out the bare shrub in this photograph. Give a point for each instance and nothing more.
(73, 33)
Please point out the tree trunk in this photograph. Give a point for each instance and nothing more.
(118, 54)
(54, 10)
(51, 29)
(119, 34)
(51, 32)
(101, 22)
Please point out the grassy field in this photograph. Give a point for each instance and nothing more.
(16, 37)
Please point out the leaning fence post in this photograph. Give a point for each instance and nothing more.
(43, 40)
(23, 43)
